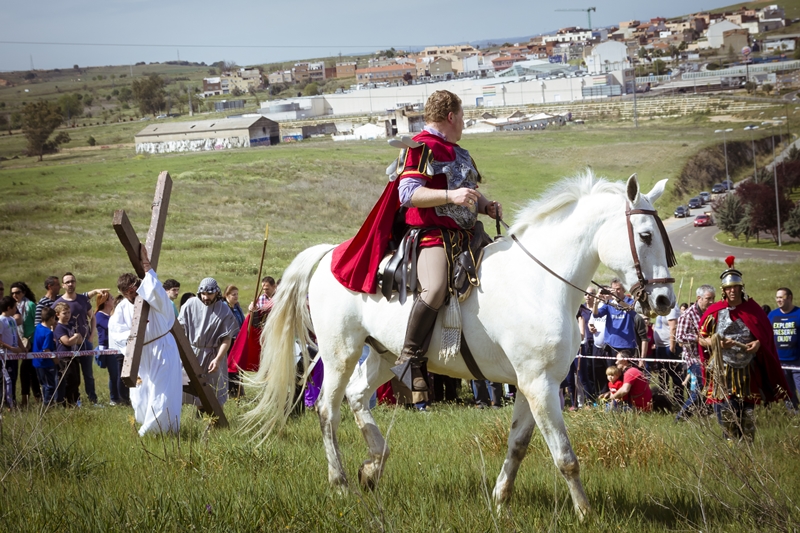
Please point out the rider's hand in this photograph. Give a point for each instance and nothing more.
(494, 210)
(464, 196)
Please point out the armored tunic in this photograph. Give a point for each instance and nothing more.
(732, 372)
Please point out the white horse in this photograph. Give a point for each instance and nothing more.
(520, 324)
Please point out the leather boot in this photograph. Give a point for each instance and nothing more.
(409, 364)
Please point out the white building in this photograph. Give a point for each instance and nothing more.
(715, 31)
(606, 57)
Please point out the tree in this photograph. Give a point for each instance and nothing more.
(125, 94)
(767, 88)
(39, 120)
(750, 86)
(149, 94)
(29, 75)
(792, 226)
(91, 141)
(760, 201)
(311, 89)
(728, 213)
(236, 92)
(71, 106)
(745, 225)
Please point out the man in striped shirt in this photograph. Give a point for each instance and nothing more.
(686, 334)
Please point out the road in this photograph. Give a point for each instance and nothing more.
(701, 244)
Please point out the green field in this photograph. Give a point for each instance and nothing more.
(56, 215)
(87, 470)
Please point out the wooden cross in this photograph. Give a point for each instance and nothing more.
(133, 351)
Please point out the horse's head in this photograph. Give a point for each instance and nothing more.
(635, 246)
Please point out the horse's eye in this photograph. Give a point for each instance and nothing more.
(646, 237)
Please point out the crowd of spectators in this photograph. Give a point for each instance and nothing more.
(625, 362)
(69, 323)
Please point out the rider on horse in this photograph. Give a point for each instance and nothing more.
(436, 187)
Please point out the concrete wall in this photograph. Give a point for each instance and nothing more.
(378, 101)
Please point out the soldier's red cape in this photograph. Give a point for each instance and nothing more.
(355, 262)
(245, 353)
(767, 374)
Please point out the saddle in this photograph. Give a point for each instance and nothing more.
(398, 269)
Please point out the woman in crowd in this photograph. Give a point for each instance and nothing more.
(25, 317)
(232, 297)
(105, 306)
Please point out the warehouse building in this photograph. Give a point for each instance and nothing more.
(206, 135)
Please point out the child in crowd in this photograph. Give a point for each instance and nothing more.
(9, 342)
(614, 377)
(43, 342)
(67, 339)
(692, 383)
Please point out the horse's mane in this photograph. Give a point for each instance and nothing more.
(562, 194)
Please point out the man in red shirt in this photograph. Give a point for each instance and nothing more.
(634, 384)
(437, 187)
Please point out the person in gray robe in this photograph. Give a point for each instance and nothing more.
(210, 327)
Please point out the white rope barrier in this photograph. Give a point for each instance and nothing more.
(57, 355)
(647, 360)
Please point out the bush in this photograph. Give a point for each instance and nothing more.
(91, 141)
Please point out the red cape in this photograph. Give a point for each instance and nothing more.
(355, 262)
(766, 372)
(246, 351)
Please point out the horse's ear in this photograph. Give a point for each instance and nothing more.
(633, 189)
(657, 191)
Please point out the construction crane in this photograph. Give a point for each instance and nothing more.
(588, 13)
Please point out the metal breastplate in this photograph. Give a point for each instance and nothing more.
(460, 173)
(728, 328)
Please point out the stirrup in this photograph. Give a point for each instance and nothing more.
(405, 374)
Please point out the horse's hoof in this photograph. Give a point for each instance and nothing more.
(367, 481)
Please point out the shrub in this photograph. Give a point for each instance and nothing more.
(91, 141)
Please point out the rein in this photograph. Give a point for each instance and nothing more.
(639, 290)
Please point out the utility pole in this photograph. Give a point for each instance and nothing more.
(189, 92)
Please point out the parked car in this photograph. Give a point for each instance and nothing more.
(681, 212)
(695, 203)
(718, 189)
(705, 197)
(703, 220)
(728, 184)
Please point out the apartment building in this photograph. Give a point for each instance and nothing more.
(388, 73)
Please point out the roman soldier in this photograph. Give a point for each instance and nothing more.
(433, 186)
(738, 355)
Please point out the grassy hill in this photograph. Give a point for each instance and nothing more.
(56, 215)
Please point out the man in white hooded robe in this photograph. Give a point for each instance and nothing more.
(156, 400)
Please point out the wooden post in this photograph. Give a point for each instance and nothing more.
(133, 351)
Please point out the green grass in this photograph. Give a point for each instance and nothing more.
(87, 470)
(763, 244)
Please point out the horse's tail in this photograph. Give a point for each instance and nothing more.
(290, 319)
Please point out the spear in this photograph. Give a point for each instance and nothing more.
(258, 281)
(678, 298)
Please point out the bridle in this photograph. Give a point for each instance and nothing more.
(639, 289)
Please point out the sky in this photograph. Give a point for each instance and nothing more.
(256, 32)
